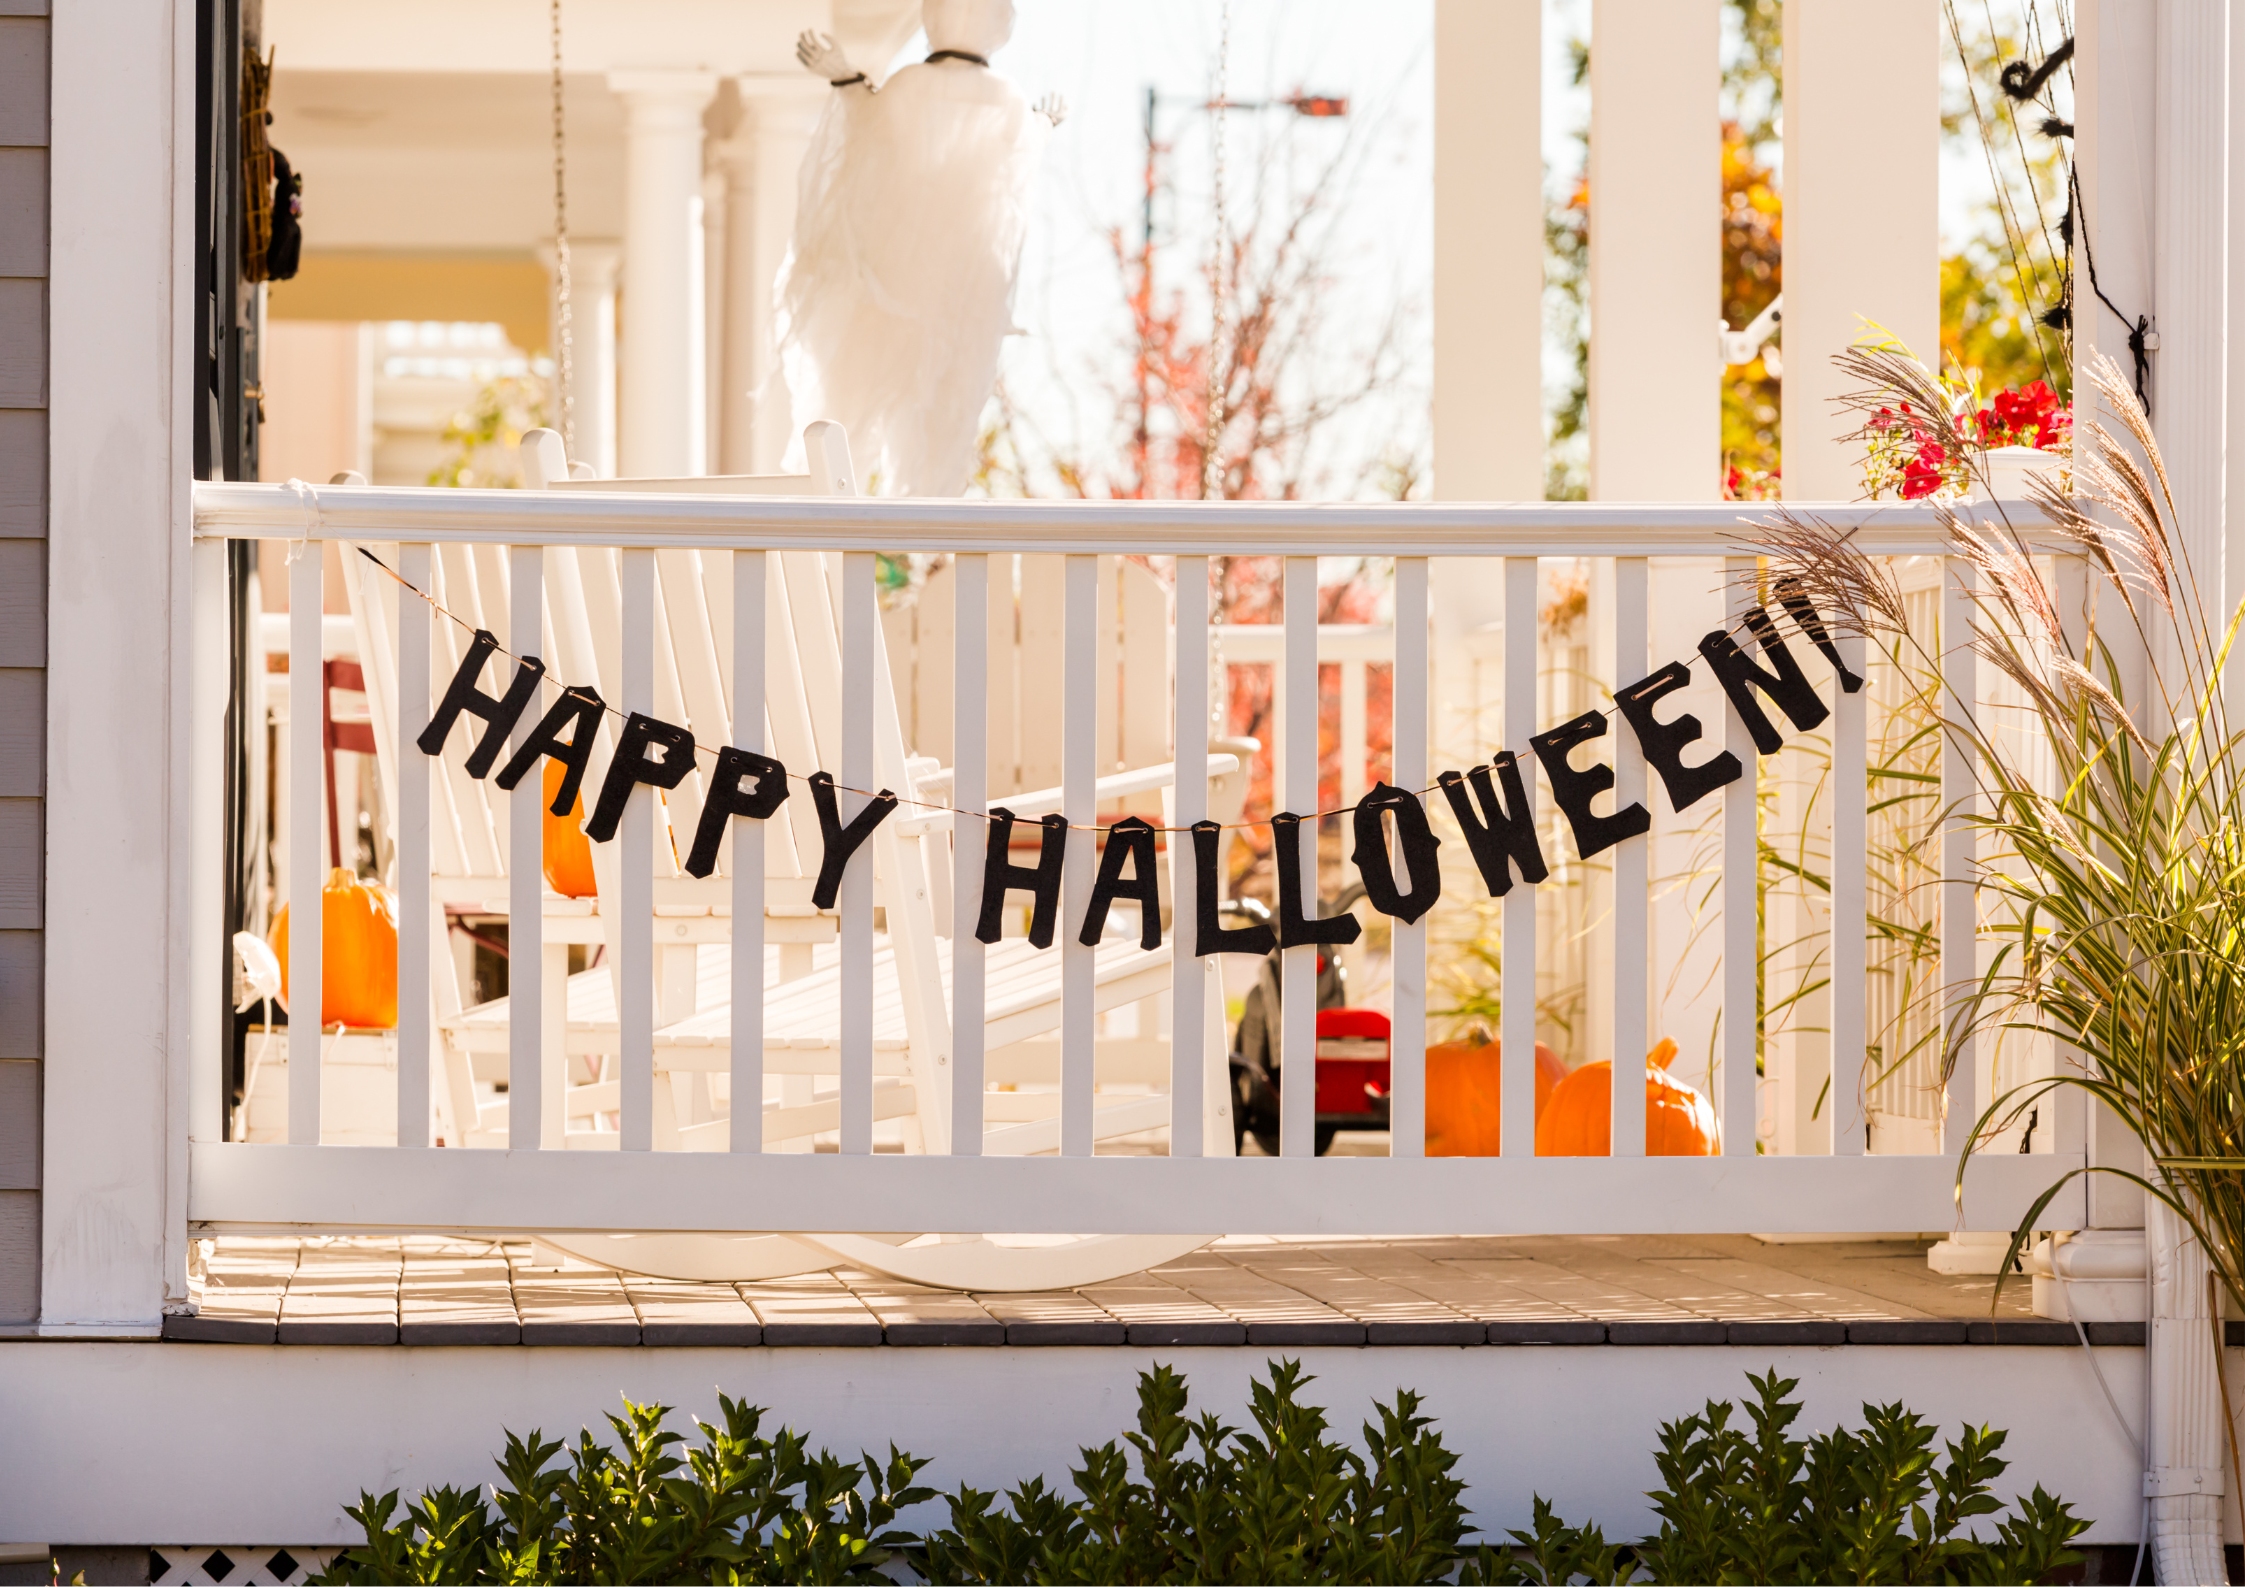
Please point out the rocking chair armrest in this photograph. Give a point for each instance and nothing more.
(1143, 779)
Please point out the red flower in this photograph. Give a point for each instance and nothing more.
(1925, 473)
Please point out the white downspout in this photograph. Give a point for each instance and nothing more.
(2183, 1441)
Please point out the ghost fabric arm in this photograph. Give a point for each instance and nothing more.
(822, 55)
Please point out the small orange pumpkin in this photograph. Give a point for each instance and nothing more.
(358, 953)
(1679, 1122)
(1465, 1096)
(568, 850)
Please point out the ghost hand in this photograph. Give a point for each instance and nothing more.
(1053, 108)
(822, 55)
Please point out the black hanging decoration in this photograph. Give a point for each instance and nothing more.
(1376, 868)
(1574, 789)
(1296, 926)
(635, 762)
(1788, 686)
(726, 798)
(1210, 934)
(1042, 880)
(2022, 82)
(1129, 841)
(1664, 742)
(498, 715)
(1796, 601)
(841, 841)
(578, 711)
(1504, 830)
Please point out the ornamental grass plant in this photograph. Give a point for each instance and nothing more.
(2111, 855)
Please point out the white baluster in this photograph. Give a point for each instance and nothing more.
(1850, 858)
(1632, 860)
(307, 818)
(415, 1008)
(526, 831)
(1408, 942)
(1079, 769)
(747, 1134)
(635, 998)
(1960, 968)
(1297, 1130)
(859, 615)
(1188, 975)
(1738, 1099)
(1518, 951)
(970, 838)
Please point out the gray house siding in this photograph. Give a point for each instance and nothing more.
(23, 635)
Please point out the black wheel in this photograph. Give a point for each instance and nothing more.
(1325, 1134)
(1265, 1132)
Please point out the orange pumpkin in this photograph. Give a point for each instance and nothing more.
(1465, 1096)
(568, 850)
(358, 953)
(1679, 1122)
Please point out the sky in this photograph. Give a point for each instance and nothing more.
(1103, 55)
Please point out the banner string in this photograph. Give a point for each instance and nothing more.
(933, 806)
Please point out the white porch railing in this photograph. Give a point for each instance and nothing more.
(534, 1185)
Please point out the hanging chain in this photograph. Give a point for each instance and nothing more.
(1211, 463)
(564, 352)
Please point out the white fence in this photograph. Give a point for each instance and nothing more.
(727, 555)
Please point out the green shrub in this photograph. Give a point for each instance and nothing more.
(1192, 1499)
(740, 1508)
(1757, 1505)
(1212, 1503)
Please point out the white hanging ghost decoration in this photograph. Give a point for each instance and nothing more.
(898, 289)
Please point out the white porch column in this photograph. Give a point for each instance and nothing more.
(1656, 253)
(760, 163)
(1862, 211)
(1488, 370)
(593, 264)
(1656, 249)
(663, 428)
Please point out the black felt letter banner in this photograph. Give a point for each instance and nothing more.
(1796, 601)
(727, 798)
(1664, 742)
(498, 715)
(1297, 927)
(1210, 934)
(647, 751)
(577, 713)
(1041, 880)
(1788, 686)
(841, 841)
(1503, 834)
(1129, 841)
(1417, 841)
(1594, 834)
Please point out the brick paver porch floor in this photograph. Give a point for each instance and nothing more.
(1634, 1290)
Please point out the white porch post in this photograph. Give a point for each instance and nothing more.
(1488, 349)
(760, 162)
(1862, 211)
(593, 263)
(663, 427)
(1655, 419)
(2186, 1475)
(126, 935)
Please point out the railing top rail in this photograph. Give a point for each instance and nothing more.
(620, 518)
